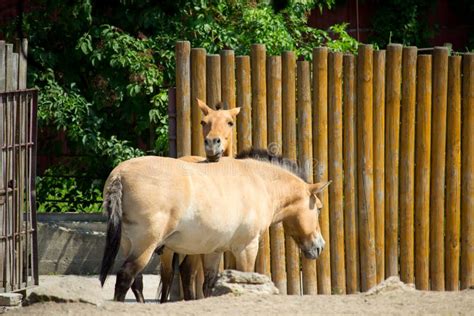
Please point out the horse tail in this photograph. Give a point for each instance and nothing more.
(113, 206)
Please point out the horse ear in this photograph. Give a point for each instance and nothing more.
(234, 112)
(318, 187)
(203, 106)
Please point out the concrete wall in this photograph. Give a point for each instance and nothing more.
(74, 244)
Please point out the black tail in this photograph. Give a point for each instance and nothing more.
(113, 206)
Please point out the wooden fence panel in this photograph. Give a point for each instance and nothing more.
(365, 167)
(438, 156)
(183, 98)
(259, 133)
(3, 66)
(22, 49)
(213, 80)
(392, 139)
(336, 173)
(289, 152)
(277, 236)
(379, 162)
(244, 100)
(198, 90)
(453, 174)
(228, 88)
(305, 154)
(350, 173)
(422, 171)
(385, 127)
(467, 169)
(407, 165)
(10, 76)
(320, 154)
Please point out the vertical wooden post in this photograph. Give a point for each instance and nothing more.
(198, 90)
(213, 80)
(244, 99)
(392, 136)
(336, 217)
(350, 171)
(379, 162)
(438, 156)
(3, 66)
(467, 211)
(365, 167)
(320, 154)
(289, 152)
(228, 86)
(22, 47)
(422, 171)
(407, 165)
(277, 237)
(11, 66)
(453, 174)
(259, 133)
(310, 285)
(183, 98)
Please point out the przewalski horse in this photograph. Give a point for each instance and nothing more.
(155, 202)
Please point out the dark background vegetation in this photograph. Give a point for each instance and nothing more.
(103, 67)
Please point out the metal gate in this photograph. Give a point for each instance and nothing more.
(18, 240)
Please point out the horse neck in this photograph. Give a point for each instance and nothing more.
(285, 192)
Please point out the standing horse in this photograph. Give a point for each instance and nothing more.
(194, 208)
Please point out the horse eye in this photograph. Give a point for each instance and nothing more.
(230, 124)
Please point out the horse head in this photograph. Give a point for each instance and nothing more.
(217, 129)
(303, 225)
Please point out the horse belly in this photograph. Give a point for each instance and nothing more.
(198, 241)
(201, 235)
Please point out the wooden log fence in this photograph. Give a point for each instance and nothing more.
(394, 132)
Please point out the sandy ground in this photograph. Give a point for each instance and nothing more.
(390, 297)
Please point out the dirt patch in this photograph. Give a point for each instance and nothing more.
(391, 297)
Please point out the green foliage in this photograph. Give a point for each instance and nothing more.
(59, 193)
(104, 69)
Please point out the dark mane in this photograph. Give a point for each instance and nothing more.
(267, 156)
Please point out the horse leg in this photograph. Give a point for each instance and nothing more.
(211, 266)
(199, 280)
(137, 285)
(134, 264)
(245, 259)
(188, 269)
(166, 274)
(137, 288)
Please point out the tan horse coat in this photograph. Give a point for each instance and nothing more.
(195, 208)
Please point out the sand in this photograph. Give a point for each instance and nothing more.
(389, 297)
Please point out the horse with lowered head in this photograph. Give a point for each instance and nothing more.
(204, 209)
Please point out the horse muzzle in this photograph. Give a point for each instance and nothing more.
(314, 251)
(213, 148)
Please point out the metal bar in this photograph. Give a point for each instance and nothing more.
(34, 129)
(17, 145)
